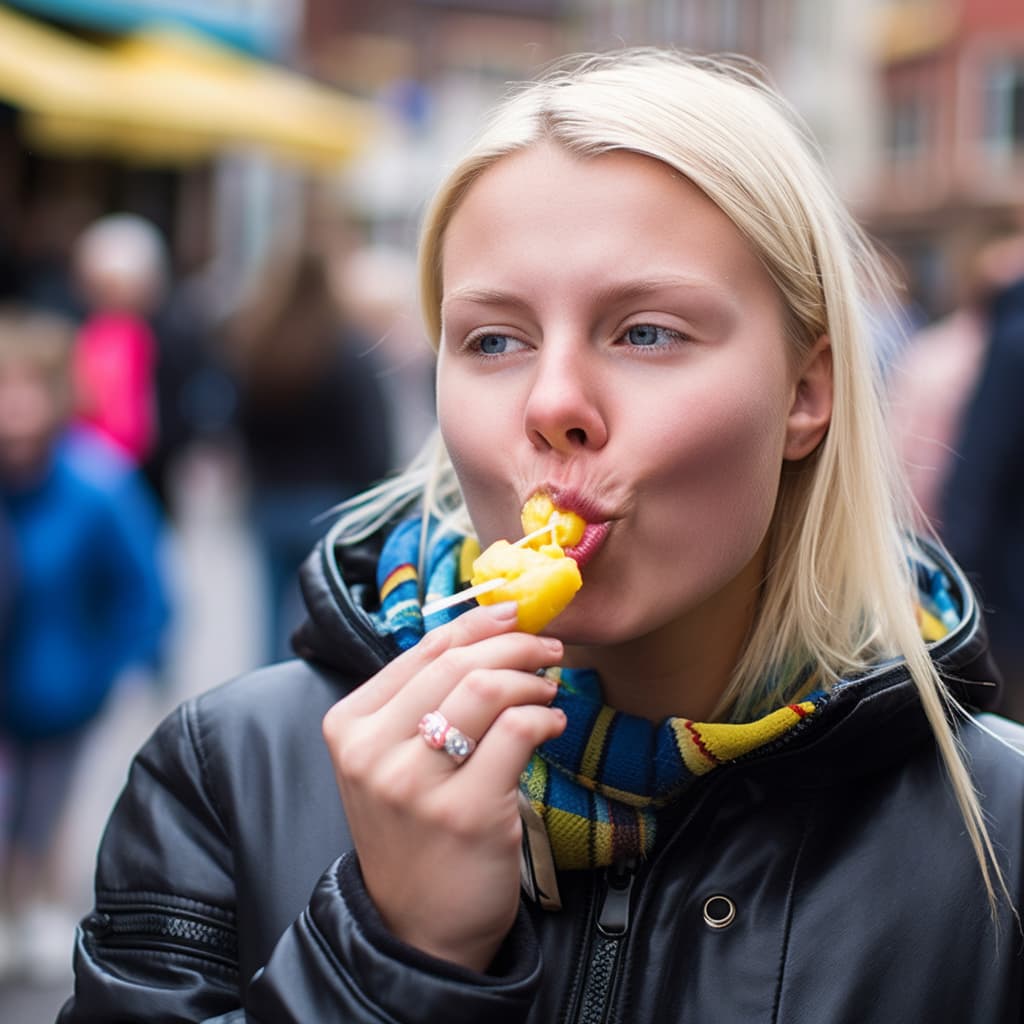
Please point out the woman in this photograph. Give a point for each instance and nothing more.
(749, 799)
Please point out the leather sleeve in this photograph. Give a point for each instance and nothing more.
(339, 963)
(161, 944)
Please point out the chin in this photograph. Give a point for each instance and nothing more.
(575, 627)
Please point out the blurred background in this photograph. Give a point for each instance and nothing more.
(224, 195)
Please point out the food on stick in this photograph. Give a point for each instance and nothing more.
(541, 578)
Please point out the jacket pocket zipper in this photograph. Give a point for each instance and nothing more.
(161, 928)
(612, 927)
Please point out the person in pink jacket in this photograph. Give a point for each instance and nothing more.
(120, 267)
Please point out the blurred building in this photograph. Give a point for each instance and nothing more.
(916, 104)
(196, 115)
(437, 66)
(819, 55)
(952, 155)
(440, 64)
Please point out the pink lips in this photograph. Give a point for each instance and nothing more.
(598, 523)
(593, 537)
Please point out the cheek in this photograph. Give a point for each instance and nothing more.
(471, 435)
(468, 435)
(719, 481)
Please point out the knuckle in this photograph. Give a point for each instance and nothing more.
(433, 644)
(482, 685)
(456, 818)
(509, 834)
(334, 722)
(356, 757)
(518, 723)
(352, 764)
(455, 661)
(396, 783)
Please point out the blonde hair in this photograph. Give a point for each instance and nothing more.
(839, 591)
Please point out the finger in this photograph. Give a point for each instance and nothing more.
(474, 625)
(482, 695)
(504, 750)
(429, 688)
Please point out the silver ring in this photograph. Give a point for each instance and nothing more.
(439, 734)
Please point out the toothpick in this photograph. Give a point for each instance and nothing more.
(546, 528)
(463, 595)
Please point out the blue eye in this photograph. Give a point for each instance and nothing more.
(645, 335)
(494, 344)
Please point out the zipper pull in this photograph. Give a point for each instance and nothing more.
(613, 917)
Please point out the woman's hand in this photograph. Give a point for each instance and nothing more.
(438, 841)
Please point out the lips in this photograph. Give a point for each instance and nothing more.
(592, 539)
(598, 521)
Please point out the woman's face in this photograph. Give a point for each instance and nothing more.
(609, 337)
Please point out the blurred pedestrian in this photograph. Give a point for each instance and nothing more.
(983, 503)
(932, 381)
(313, 420)
(196, 396)
(120, 268)
(88, 602)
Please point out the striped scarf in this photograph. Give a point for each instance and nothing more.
(599, 786)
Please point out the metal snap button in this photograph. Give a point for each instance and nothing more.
(719, 912)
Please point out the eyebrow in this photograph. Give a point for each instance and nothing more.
(610, 294)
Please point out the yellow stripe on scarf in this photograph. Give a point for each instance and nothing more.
(702, 745)
(932, 628)
(591, 762)
(401, 575)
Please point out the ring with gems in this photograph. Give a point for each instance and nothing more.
(439, 734)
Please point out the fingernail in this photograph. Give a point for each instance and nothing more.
(506, 611)
(553, 645)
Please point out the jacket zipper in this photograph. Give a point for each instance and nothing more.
(611, 928)
(156, 927)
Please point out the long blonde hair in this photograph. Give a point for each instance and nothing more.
(838, 593)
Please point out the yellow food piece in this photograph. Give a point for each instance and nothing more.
(541, 582)
(540, 511)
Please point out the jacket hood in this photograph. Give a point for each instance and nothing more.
(340, 591)
(339, 587)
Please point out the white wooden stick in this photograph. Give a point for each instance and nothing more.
(463, 595)
(546, 528)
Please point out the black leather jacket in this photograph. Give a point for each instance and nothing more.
(226, 885)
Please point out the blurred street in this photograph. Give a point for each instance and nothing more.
(216, 636)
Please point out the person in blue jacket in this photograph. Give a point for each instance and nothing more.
(87, 599)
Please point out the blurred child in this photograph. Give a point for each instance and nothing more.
(87, 601)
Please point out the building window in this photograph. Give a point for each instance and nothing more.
(908, 128)
(1004, 107)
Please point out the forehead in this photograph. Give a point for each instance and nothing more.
(544, 214)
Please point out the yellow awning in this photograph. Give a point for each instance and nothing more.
(912, 28)
(170, 95)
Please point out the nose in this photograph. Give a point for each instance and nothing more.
(564, 409)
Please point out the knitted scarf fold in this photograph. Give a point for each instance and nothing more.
(599, 786)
